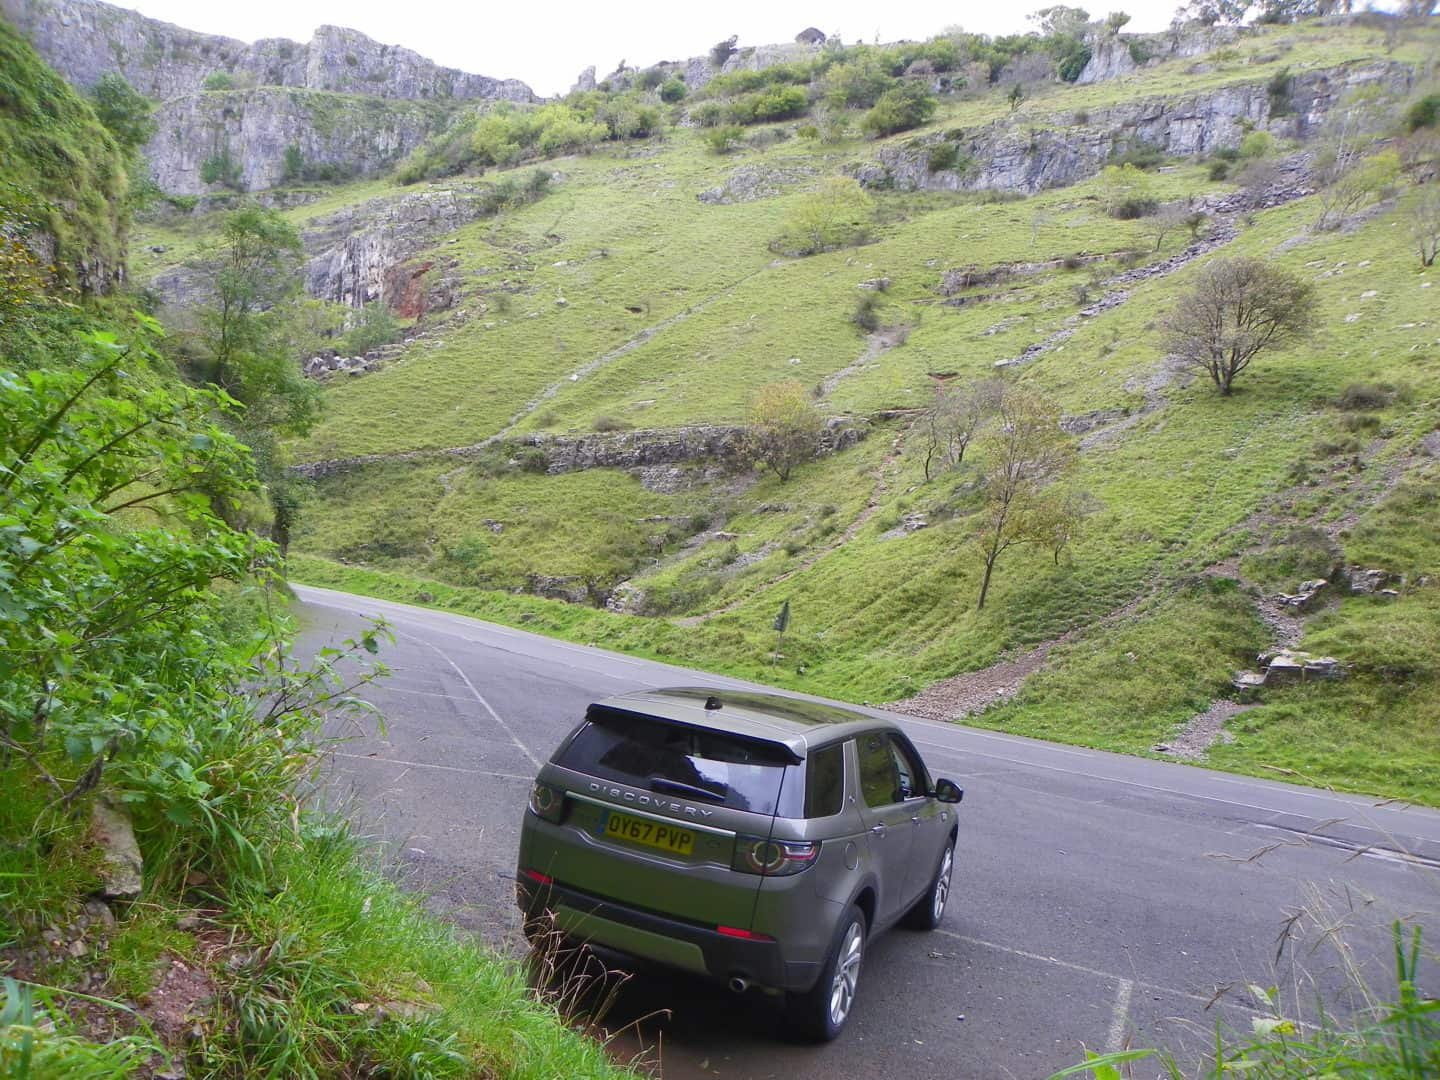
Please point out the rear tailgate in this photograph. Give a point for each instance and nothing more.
(652, 811)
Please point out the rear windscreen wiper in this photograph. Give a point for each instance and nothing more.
(681, 788)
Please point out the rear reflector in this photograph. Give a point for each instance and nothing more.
(537, 877)
(743, 935)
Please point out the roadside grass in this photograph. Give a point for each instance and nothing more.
(340, 969)
(1129, 683)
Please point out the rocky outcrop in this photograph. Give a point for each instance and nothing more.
(362, 253)
(84, 39)
(750, 182)
(246, 137)
(702, 444)
(1113, 57)
(1282, 667)
(1008, 158)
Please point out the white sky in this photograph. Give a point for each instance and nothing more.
(547, 44)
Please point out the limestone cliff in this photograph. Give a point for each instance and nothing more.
(83, 39)
(250, 134)
(340, 106)
(1031, 157)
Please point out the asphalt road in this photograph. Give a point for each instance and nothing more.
(1100, 901)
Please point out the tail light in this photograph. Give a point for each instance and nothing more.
(546, 802)
(773, 858)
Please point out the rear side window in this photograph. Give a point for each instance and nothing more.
(825, 781)
(690, 764)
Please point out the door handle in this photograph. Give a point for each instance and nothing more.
(879, 830)
(916, 819)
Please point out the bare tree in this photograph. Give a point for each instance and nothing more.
(784, 427)
(1027, 454)
(1425, 223)
(953, 421)
(1169, 218)
(1234, 309)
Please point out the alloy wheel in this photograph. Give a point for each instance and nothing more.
(847, 974)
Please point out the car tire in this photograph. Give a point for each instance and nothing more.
(820, 1013)
(930, 908)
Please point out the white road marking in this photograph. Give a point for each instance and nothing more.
(1115, 1037)
(1107, 976)
(480, 698)
(428, 765)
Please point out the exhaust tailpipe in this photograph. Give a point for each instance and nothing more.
(738, 984)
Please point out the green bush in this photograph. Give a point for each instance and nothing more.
(672, 91)
(221, 168)
(777, 103)
(1257, 144)
(375, 327)
(942, 157)
(218, 80)
(722, 140)
(906, 106)
(1423, 113)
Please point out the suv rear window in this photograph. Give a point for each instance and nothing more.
(706, 767)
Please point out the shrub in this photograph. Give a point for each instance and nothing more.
(1423, 113)
(605, 423)
(221, 168)
(834, 216)
(1258, 144)
(672, 91)
(532, 460)
(1366, 396)
(942, 157)
(1219, 170)
(867, 313)
(218, 80)
(906, 106)
(294, 163)
(1279, 89)
(375, 327)
(722, 140)
(1130, 209)
(1141, 155)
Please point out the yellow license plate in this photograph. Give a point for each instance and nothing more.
(650, 833)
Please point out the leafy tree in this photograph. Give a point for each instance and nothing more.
(671, 91)
(1059, 19)
(247, 346)
(834, 216)
(1026, 455)
(1116, 21)
(126, 113)
(953, 420)
(1235, 309)
(1210, 12)
(784, 427)
(857, 83)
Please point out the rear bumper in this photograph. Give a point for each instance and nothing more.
(673, 943)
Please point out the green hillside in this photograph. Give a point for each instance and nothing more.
(623, 301)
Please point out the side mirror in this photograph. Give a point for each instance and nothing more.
(948, 791)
